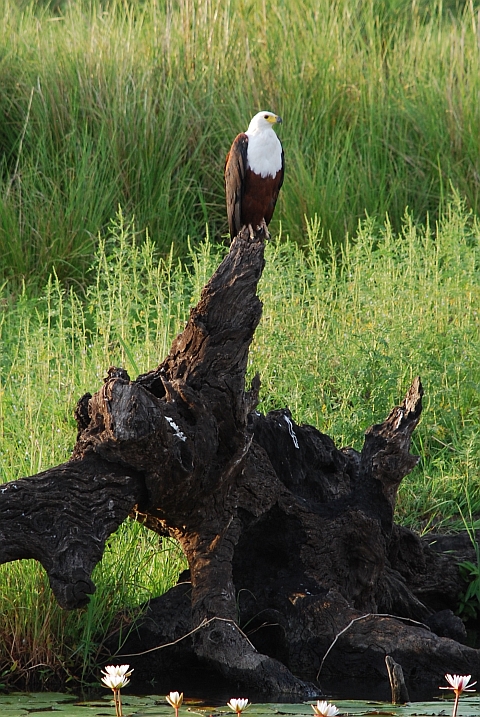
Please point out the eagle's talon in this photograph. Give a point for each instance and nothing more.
(264, 229)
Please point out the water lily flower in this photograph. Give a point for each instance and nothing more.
(116, 677)
(238, 704)
(325, 709)
(175, 700)
(459, 684)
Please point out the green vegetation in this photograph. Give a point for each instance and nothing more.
(341, 338)
(469, 607)
(135, 104)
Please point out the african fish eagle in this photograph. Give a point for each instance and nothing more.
(254, 171)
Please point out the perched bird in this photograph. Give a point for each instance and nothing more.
(254, 171)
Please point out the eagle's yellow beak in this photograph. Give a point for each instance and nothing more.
(275, 119)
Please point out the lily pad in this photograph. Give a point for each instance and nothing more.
(302, 708)
(38, 704)
(134, 701)
(38, 698)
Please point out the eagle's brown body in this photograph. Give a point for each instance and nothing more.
(254, 171)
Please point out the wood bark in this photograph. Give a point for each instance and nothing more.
(296, 566)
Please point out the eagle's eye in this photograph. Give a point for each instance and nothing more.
(265, 117)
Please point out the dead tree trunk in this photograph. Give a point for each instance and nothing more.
(295, 563)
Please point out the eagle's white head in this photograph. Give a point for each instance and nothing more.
(262, 121)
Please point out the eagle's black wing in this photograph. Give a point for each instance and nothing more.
(235, 168)
(282, 175)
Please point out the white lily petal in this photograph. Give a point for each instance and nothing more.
(116, 676)
(238, 704)
(174, 699)
(459, 683)
(325, 709)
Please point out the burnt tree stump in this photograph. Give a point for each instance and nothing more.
(298, 576)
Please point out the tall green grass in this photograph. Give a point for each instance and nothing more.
(136, 103)
(340, 340)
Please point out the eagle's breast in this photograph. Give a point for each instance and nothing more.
(264, 153)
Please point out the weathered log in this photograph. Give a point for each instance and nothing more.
(62, 518)
(295, 564)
